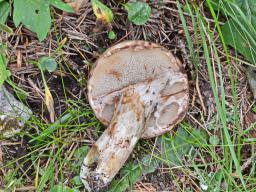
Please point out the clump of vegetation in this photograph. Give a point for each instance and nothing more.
(239, 28)
(34, 14)
(4, 73)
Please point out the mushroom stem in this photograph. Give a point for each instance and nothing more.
(114, 146)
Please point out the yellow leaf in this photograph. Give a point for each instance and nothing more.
(63, 42)
(49, 103)
(102, 12)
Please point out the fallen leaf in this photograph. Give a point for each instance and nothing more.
(249, 118)
(19, 59)
(102, 12)
(49, 103)
(77, 4)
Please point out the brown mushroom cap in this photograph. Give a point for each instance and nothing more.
(134, 62)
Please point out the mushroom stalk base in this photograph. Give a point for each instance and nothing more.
(114, 146)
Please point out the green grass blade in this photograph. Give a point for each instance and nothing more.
(220, 108)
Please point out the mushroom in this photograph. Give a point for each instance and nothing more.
(137, 89)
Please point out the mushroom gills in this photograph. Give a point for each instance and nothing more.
(113, 148)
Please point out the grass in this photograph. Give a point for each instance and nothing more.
(229, 143)
(49, 146)
(184, 160)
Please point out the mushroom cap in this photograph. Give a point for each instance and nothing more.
(134, 62)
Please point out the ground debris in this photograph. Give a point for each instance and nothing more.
(13, 114)
(77, 4)
(251, 76)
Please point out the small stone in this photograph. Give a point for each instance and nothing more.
(13, 114)
(203, 186)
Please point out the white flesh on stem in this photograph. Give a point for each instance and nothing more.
(113, 148)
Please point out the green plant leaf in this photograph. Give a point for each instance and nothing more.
(175, 147)
(61, 5)
(149, 164)
(47, 176)
(4, 73)
(81, 152)
(130, 173)
(3, 48)
(138, 12)
(62, 188)
(102, 12)
(239, 30)
(221, 5)
(34, 14)
(214, 140)
(51, 128)
(76, 181)
(47, 63)
(111, 35)
(247, 6)
(79, 156)
(5, 28)
(239, 39)
(4, 11)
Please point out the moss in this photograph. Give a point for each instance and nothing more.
(9, 126)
